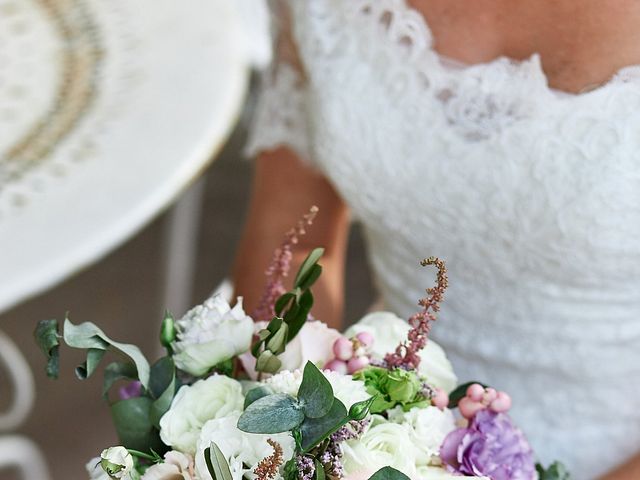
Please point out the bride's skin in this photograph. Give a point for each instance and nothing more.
(582, 43)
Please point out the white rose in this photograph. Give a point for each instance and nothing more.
(314, 343)
(345, 388)
(95, 470)
(428, 428)
(176, 466)
(440, 473)
(210, 334)
(243, 451)
(389, 330)
(216, 397)
(383, 444)
(115, 462)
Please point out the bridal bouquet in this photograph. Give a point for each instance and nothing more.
(280, 395)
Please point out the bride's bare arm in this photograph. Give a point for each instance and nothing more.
(283, 190)
(628, 471)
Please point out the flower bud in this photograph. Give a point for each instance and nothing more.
(360, 410)
(167, 330)
(117, 462)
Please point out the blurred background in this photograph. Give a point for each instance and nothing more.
(171, 164)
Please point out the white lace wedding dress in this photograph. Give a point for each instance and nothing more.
(531, 195)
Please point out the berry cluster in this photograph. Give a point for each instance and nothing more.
(480, 398)
(351, 354)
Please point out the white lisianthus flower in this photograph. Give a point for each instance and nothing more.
(176, 466)
(428, 428)
(382, 444)
(114, 462)
(242, 450)
(210, 334)
(216, 397)
(313, 343)
(345, 388)
(423, 473)
(389, 330)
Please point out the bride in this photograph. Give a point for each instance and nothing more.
(503, 137)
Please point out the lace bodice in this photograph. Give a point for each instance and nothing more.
(531, 195)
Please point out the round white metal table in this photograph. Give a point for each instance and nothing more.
(109, 109)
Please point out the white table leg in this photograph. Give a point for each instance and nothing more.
(17, 451)
(22, 454)
(181, 240)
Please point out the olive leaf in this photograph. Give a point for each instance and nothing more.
(217, 463)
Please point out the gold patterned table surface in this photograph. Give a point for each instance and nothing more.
(108, 108)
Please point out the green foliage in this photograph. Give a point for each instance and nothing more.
(292, 311)
(217, 463)
(290, 470)
(316, 430)
(168, 331)
(256, 394)
(46, 336)
(89, 336)
(271, 414)
(133, 424)
(315, 392)
(388, 473)
(360, 410)
(116, 371)
(392, 387)
(459, 393)
(556, 471)
(162, 388)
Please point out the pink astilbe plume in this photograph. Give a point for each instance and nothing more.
(407, 354)
(279, 268)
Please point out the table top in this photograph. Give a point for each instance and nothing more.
(108, 110)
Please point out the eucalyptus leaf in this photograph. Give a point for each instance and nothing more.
(117, 371)
(88, 335)
(256, 394)
(315, 392)
(275, 413)
(388, 473)
(46, 336)
(86, 369)
(217, 463)
(307, 265)
(315, 430)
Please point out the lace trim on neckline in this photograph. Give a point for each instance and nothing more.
(413, 17)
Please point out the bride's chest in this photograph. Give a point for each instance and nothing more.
(487, 152)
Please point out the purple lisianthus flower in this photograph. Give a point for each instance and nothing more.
(492, 447)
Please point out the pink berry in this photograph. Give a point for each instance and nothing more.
(475, 392)
(490, 394)
(356, 364)
(468, 408)
(343, 349)
(440, 399)
(502, 403)
(336, 365)
(365, 338)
